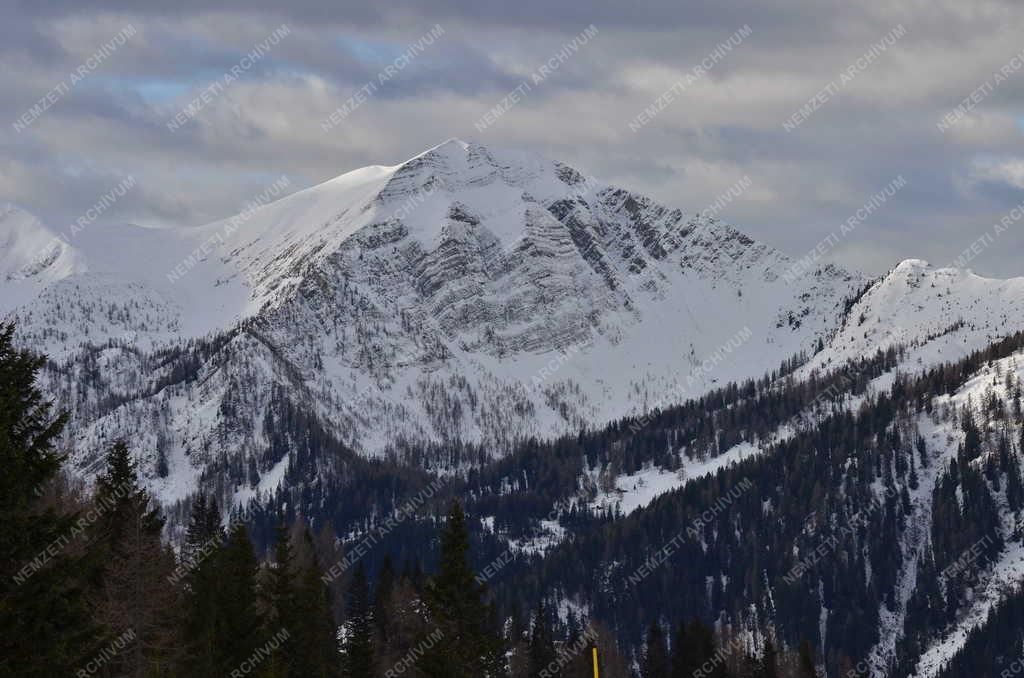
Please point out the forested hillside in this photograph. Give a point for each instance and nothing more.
(871, 526)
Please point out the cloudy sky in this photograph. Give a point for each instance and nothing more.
(89, 88)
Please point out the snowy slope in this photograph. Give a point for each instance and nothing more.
(634, 491)
(938, 315)
(941, 314)
(999, 578)
(468, 294)
(32, 256)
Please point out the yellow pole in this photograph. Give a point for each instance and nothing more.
(596, 674)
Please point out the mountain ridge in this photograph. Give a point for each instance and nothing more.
(467, 295)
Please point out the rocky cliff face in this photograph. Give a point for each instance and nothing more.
(469, 294)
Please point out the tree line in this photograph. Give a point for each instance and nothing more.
(90, 588)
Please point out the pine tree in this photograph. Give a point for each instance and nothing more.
(138, 601)
(694, 648)
(457, 607)
(382, 591)
(518, 642)
(43, 614)
(972, 436)
(409, 628)
(656, 660)
(124, 503)
(135, 593)
(1014, 487)
(316, 633)
(580, 664)
(912, 479)
(542, 646)
(197, 573)
(280, 603)
(329, 552)
(237, 622)
(358, 651)
(203, 531)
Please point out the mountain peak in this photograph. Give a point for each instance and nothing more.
(912, 265)
(450, 144)
(450, 149)
(31, 252)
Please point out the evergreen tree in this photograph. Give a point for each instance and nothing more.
(457, 607)
(656, 660)
(541, 650)
(135, 593)
(972, 435)
(409, 629)
(382, 591)
(694, 650)
(280, 604)
(580, 663)
(315, 629)
(358, 651)
(329, 552)
(123, 502)
(197, 572)
(518, 642)
(1014, 487)
(236, 618)
(43, 614)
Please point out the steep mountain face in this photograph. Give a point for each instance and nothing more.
(595, 376)
(469, 294)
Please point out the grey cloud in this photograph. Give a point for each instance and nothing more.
(726, 126)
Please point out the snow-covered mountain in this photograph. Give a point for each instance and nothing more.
(31, 257)
(936, 315)
(469, 294)
(941, 314)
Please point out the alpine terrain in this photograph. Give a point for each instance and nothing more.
(629, 423)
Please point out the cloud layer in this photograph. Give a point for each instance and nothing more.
(714, 108)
